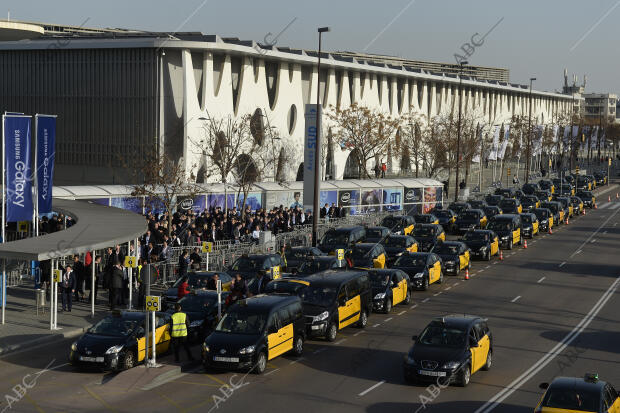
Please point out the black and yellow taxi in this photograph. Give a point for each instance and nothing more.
(583, 183)
(545, 218)
(587, 197)
(577, 205)
(556, 209)
(428, 235)
(601, 177)
(482, 243)
(562, 186)
(397, 245)
(505, 192)
(455, 256)
(399, 224)
(492, 210)
(335, 300)
(476, 203)
(592, 180)
(567, 206)
(195, 281)
(493, 199)
(376, 234)
(201, 307)
(447, 219)
(249, 265)
(529, 224)
(389, 288)
(424, 268)
(530, 202)
(367, 255)
(508, 229)
(317, 264)
(511, 206)
(117, 342)
(573, 395)
(426, 219)
(341, 238)
(295, 256)
(459, 207)
(530, 188)
(543, 195)
(449, 350)
(547, 184)
(253, 331)
(471, 219)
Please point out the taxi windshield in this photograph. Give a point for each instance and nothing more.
(396, 242)
(335, 238)
(314, 266)
(541, 213)
(239, 320)
(500, 226)
(114, 326)
(526, 219)
(391, 222)
(374, 233)
(285, 287)
(504, 203)
(197, 303)
(378, 280)
(475, 236)
(410, 261)
(443, 214)
(447, 249)
(423, 232)
(247, 264)
(572, 399)
(470, 215)
(320, 296)
(440, 335)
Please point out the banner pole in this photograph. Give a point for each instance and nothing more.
(35, 210)
(3, 176)
(92, 285)
(3, 288)
(52, 294)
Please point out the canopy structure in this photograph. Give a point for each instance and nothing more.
(96, 227)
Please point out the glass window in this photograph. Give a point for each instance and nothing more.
(437, 334)
(479, 330)
(353, 289)
(284, 316)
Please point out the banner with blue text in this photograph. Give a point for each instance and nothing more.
(46, 144)
(17, 168)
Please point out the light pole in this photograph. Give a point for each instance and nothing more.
(458, 133)
(529, 135)
(317, 153)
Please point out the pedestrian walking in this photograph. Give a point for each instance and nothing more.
(116, 287)
(179, 325)
(68, 289)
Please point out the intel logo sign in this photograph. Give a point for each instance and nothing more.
(186, 203)
(346, 197)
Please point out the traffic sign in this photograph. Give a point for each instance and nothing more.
(207, 246)
(577, 169)
(131, 262)
(609, 162)
(275, 272)
(56, 276)
(340, 254)
(508, 173)
(152, 303)
(550, 164)
(22, 226)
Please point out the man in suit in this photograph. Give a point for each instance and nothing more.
(67, 289)
(116, 290)
(78, 271)
(262, 279)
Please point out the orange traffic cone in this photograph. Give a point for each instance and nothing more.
(595, 206)
(566, 222)
(616, 195)
(467, 273)
(501, 255)
(609, 198)
(550, 230)
(525, 244)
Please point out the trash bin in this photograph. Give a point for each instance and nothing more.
(40, 298)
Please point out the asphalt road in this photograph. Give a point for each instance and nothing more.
(553, 310)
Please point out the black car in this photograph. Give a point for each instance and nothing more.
(399, 224)
(483, 243)
(510, 206)
(555, 208)
(117, 342)
(450, 350)
(476, 203)
(342, 238)
(426, 219)
(397, 245)
(530, 188)
(253, 331)
(459, 207)
(543, 195)
(424, 268)
(529, 224)
(543, 215)
(529, 202)
(492, 210)
(563, 187)
(587, 198)
(249, 265)
(546, 184)
(470, 219)
(582, 183)
(454, 256)
(505, 192)
(493, 200)
(572, 394)
(389, 288)
(601, 177)
(201, 308)
(447, 218)
(195, 281)
(508, 229)
(519, 194)
(376, 234)
(318, 264)
(427, 235)
(296, 256)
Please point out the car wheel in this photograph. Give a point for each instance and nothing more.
(487, 365)
(440, 278)
(464, 376)
(363, 319)
(510, 245)
(332, 332)
(298, 349)
(488, 256)
(425, 284)
(128, 361)
(388, 305)
(408, 297)
(261, 363)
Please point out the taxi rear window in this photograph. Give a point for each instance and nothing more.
(572, 399)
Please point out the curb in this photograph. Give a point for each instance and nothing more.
(47, 339)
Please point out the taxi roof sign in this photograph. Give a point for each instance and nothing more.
(591, 377)
(153, 303)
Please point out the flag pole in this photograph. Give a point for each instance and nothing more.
(35, 210)
(3, 286)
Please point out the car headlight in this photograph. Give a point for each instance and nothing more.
(505, 238)
(419, 275)
(409, 359)
(451, 365)
(196, 323)
(114, 349)
(399, 254)
(74, 347)
(205, 348)
(380, 296)
(449, 262)
(321, 317)
(247, 350)
(483, 248)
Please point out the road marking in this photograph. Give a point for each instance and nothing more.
(593, 241)
(215, 379)
(413, 306)
(189, 382)
(358, 333)
(402, 312)
(487, 267)
(371, 388)
(340, 341)
(605, 232)
(549, 356)
(448, 288)
(513, 253)
(172, 402)
(376, 325)
(32, 402)
(273, 371)
(562, 264)
(317, 351)
(615, 224)
(614, 206)
(515, 299)
(296, 361)
(99, 399)
(436, 294)
(495, 263)
(541, 280)
(456, 283)
(388, 319)
(425, 300)
(603, 206)
(480, 270)
(595, 232)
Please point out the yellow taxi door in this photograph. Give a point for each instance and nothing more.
(397, 294)
(280, 342)
(350, 312)
(516, 236)
(408, 230)
(561, 215)
(494, 246)
(435, 273)
(162, 336)
(141, 348)
(379, 262)
(482, 351)
(442, 236)
(483, 222)
(413, 247)
(534, 227)
(615, 408)
(550, 222)
(464, 259)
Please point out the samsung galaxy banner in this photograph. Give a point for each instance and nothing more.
(18, 182)
(46, 144)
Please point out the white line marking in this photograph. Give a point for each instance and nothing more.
(515, 299)
(605, 232)
(448, 288)
(413, 306)
(487, 267)
(541, 280)
(340, 341)
(319, 350)
(296, 361)
(436, 294)
(495, 263)
(402, 312)
(480, 270)
(371, 388)
(513, 253)
(388, 319)
(376, 325)
(358, 333)
(457, 283)
(603, 206)
(562, 264)
(271, 371)
(553, 353)
(614, 206)
(425, 300)
(615, 224)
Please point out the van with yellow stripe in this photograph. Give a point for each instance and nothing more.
(335, 300)
(254, 331)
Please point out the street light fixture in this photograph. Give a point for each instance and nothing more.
(529, 135)
(462, 63)
(317, 154)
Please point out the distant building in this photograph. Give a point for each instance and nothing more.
(600, 106)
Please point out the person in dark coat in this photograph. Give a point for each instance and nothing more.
(67, 286)
(262, 279)
(196, 259)
(78, 270)
(239, 288)
(184, 263)
(116, 285)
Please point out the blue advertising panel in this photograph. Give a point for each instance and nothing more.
(217, 200)
(392, 199)
(154, 205)
(17, 162)
(133, 204)
(254, 201)
(46, 144)
(328, 197)
(371, 200)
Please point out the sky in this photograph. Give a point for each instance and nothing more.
(530, 38)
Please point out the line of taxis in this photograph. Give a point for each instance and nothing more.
(353, 272)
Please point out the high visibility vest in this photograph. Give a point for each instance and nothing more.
(179, 329)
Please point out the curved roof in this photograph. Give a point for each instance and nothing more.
(13, 31)
(96, 227)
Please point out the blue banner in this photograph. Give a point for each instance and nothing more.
(17, 163)
(46, 150)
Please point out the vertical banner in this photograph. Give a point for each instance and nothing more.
(46, 151)
(18, 182)
(310, 152)
(494, 149)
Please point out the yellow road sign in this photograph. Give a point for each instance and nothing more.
(340, 254)
(152, 303)
(131, 262)
(22, 226)
(207, 246)
(609, 162)
(56, 276)
(275, 272)
(508, 172)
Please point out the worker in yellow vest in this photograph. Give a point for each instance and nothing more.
(179, 327)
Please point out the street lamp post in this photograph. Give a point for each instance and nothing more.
(458, 133)
(529, 135)
(317, 153)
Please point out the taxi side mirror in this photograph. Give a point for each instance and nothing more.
(342, 302)
(543, 386)
(272, 329)
(140, 332)
(472, 342)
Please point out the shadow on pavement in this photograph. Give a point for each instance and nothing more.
(608, 341)
(452, 407)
